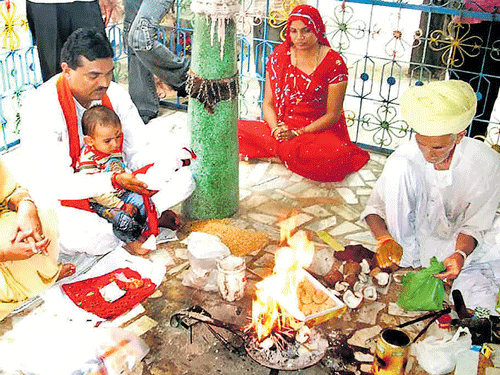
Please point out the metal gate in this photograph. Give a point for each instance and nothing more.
(387, 45)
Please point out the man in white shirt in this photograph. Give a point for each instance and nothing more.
(438, 195)
(51, 137)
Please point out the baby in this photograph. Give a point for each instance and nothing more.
(102, 152)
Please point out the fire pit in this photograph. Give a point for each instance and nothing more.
(280, 351)
(292, 356)
(286, 305)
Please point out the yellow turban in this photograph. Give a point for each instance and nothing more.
(439, 108)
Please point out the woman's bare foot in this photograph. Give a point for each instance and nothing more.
(169, 219)
(67, 269)
(135, 248)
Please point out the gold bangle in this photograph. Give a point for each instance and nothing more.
(273, 130)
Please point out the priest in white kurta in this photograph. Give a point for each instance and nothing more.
(439, 193)
(45, 146)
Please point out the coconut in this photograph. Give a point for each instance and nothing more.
(365, 266)
(333, 277)
(382, 278)
(352, 268)
(351, 279)
(341, 286)
(358, 287)
(351, 300)
(370, 293)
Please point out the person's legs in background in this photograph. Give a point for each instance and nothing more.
(74, 11)
(52, 23)
(141, 81)
(148, 57)
(42, 20)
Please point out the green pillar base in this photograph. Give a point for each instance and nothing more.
(216, 169)
(214, 137)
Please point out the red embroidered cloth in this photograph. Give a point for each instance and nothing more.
(85, 293)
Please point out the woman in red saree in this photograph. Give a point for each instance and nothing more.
(304, 122)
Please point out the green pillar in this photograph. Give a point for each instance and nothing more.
(214, 136)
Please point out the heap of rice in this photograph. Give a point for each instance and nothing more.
(240, 241)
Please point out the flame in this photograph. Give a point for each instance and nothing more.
(276, 303)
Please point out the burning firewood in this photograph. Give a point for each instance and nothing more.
(284, 302)
(303, 334)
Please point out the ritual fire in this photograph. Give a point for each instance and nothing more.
(268, 315)
(286, 303)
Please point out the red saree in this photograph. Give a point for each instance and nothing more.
(299, 99)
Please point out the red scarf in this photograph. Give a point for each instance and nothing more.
(68, 107)
(67, 102)
(311, 18)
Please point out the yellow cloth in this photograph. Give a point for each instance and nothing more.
(20, 280)
(439, 108)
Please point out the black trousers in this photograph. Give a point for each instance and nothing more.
(52, 23)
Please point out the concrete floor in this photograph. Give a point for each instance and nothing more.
(268, 191)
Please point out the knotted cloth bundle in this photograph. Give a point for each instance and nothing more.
(212, 91)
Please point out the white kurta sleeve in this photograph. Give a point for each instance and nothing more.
(395, 199)
(479, 215)
(45, 156)
(478, 189)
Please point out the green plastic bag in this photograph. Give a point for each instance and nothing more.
(422, 291)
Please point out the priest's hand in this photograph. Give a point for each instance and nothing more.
(453, 264)
(389, 252)
(128, 181)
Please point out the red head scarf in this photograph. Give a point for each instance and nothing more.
(311, 18)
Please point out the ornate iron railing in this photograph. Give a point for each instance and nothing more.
(388, 45)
